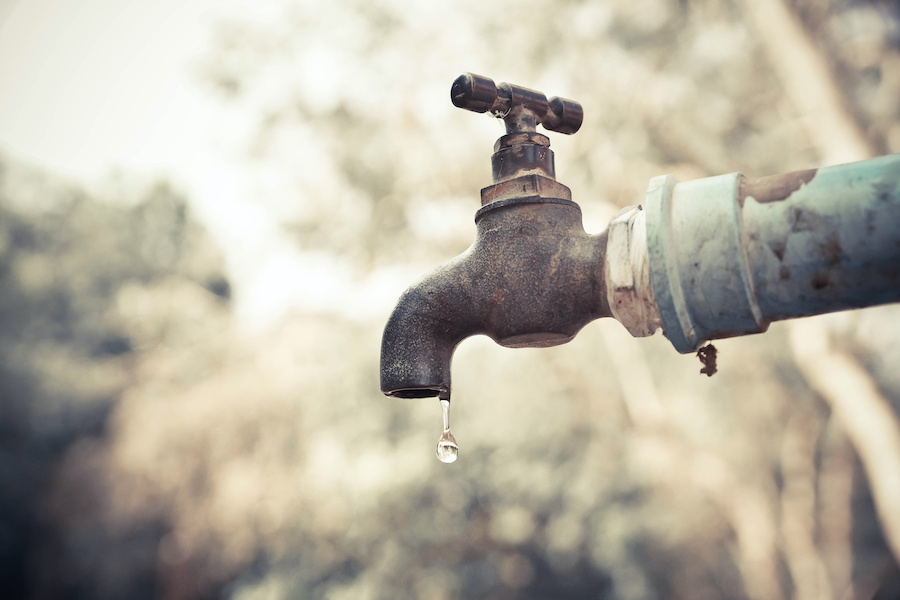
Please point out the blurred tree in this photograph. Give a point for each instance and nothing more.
(64, 355)
(606, 468)
(695, 88)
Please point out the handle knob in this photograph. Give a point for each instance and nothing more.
(507, 101)
(473, 92)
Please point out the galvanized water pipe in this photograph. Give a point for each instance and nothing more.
(725, 256)
(702, 260)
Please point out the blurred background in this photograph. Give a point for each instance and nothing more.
(209, 207)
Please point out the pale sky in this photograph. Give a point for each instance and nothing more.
(90, 86)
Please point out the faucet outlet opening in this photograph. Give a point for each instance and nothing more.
(415, 393)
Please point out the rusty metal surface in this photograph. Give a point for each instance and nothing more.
(520, 159)
(525, 185)
(773, 188)
(698, 269)
(707, 259)
(521, 108)
(729, 255)
(627, 273)
(831, 244)
(532, 278)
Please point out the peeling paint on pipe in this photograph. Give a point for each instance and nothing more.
(728, 255)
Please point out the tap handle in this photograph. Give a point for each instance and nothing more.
(507, 101)
(473, 92)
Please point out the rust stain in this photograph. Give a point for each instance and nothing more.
(802, 219)
(773, 188)
(832, 250)
(495, 309)
(778, 247)
(886, 192)
(820, 279)
(707, 356)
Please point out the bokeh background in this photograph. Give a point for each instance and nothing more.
(208, 209)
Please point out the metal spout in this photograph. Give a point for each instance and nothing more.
(532, 278)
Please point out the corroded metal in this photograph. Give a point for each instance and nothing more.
(522, 109)
(627, 272)
(706, 259)
(532, 278)
(831, 244)
(728, 255)
(698, 268)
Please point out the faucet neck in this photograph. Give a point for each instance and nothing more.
(522, 153)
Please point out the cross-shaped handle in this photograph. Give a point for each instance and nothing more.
(521, 109)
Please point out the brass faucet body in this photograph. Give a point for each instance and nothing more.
(532, 278)
(713, 258)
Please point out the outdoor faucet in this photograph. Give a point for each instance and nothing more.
(532, 278)
(707, 259)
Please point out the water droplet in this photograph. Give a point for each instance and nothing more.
(447, 449)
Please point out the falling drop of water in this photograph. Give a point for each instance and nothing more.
(447, 449)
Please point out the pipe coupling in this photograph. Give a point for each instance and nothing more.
(627, 273)
(698, 264)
